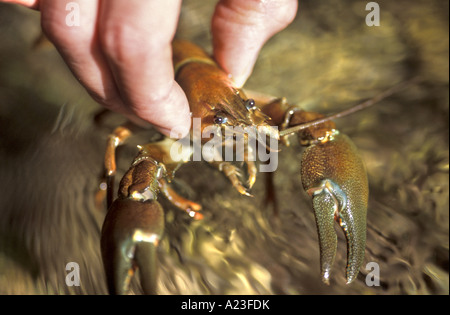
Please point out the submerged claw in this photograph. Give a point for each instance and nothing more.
(130, 236)
(334, 176)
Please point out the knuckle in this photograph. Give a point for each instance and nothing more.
(123, 42)
(281, 12)
(115, 41)
(61, 34)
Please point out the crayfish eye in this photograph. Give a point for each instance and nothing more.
(250, 104)
(220, 119)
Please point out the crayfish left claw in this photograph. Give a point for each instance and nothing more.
(130, 236)
(334, 176)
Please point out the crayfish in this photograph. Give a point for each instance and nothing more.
(332, 171)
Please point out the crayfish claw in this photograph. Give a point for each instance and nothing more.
(334, 176)
(130, 237)
(324, 209)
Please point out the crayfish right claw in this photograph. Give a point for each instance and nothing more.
(334, 176)
(130, 237)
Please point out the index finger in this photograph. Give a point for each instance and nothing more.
(136, 38)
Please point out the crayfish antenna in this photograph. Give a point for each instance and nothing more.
(370, 102)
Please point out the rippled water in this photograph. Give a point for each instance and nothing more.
(327, 60)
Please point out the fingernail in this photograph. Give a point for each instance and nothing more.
(239, 81)
(241, 76)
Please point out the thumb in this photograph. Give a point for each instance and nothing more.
(241, 28)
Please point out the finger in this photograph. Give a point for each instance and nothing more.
(136, 38)
(240, 29)
(79, 46)
(32, 4)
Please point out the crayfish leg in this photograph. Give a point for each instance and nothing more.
(232, 172)
(115, 139)
(190, 207)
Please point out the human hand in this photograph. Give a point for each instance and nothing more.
(121, 52)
